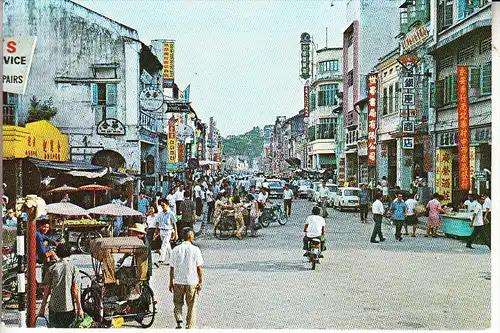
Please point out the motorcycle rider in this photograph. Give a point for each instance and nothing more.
(262, 200)
(314, 228)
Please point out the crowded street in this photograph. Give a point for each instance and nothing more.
(419, 283)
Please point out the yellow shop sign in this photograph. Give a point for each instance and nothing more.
(39, 139)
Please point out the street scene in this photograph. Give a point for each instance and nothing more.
(247, 164)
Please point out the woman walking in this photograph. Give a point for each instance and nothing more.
(434, 209)
(254, 214)
(238, 216)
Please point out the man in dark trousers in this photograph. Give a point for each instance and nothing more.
(378, 211)
(398, 214)
(478, 224)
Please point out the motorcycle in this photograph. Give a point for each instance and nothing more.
(314, 252)
(274, 214)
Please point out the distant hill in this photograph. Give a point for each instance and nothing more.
(249, 144)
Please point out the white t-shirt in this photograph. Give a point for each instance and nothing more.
(378, 207)
(287, 194)
(315, 224)
(179, 195)
(209, 195)
(487, 204)
(185, 258)
(151, 221)
(410, 203)
(197, 192)
(478, 210)
(323, 192)
(171, 199)
(262, 198)
(470, 205)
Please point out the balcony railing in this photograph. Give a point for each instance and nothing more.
(147, 121)
(9, 114)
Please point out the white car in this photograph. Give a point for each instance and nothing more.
(303, 188)
(313, 190)
(347, 197)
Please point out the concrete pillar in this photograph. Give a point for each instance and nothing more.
(404, 166)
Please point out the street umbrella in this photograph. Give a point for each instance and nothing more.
(64, 189)
(65, 208)
(114, 210)
(94, 188)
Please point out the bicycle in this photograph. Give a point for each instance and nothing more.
(226, 228)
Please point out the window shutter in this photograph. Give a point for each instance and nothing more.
(461, 9)
(321, 98)
(93, 93)
(454, 89)
(448, 15)
(110, 94)
(439, 93)
(440, 16)
(474, 81)
(486, 79)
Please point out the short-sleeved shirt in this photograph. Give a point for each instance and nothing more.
(378, 207)
(165, 220)
(209, 196)
(11, 221)
(185, 259)
(399, 210)
(262, 197)
(323, 192)
(179, 195)
(487, 204)
(287, 194)
(315, 224)
(470, 205)
(60, 277)
(363, 197)
(142, 205)
(478, 221)
(410, 204)
(197, 192)
(151, 221)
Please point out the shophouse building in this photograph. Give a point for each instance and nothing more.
(294, 138)
(462, 38)
(326, 89)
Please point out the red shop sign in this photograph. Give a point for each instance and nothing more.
(372, 118)
(463, 127)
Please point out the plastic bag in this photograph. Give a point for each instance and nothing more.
(85, 322)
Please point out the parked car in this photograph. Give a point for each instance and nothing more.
(311, 192)
(275, 187)
(304, 185)
(347, 197)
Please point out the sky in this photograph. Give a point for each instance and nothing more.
(241, 57)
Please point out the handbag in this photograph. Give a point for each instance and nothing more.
(420, 210)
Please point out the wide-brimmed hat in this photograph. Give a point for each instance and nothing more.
(139, 227)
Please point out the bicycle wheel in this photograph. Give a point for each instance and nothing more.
(265, 222)
(282, 219)
(90, 303)
(9, 289)
(84, 239)
(224, 230)
(146, 308)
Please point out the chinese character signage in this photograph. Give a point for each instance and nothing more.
(408, 142)
(409, 82)
(463, 127)
(408, 126)
(415, 37)
(180, 152)
(168, 64)
(427, 142)
(306, 101)
(372, 118)
(444, 158)
(171, 141)
(408, 99)
(17, 56)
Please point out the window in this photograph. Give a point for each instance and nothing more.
(329, 66)
(467, 7)
(350, 78)
(446, 62)
(326, 128)
(465, 54)
(384, 103)
(312, 101)
(446, 90)
(326, 94)
(391, 98)
(104, 100)
(9, 107)
(486, 79)
(396, 96)
(485, 45)
(445, 14)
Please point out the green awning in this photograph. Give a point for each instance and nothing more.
(327, 159)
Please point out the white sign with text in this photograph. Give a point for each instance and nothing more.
(17, 57)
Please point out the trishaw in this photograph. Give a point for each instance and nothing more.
(119, 294)
(226, 228)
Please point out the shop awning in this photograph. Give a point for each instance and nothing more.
(293, 161)
(74, 168)
(327, 159)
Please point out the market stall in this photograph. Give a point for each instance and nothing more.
(457, 224)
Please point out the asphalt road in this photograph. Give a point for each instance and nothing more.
(419, 283)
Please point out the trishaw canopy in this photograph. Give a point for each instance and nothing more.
(102, 250)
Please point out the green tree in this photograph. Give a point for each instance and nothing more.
(41, 110)
(249, 144)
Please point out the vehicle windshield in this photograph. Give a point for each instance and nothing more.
(274, 184)
(332, 187)
(348, 193)
(303, 182)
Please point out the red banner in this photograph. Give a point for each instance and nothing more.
(180, 152)
(427, 153)
(372, 118)
(463, 127)
(306, 101)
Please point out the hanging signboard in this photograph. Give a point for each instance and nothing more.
(427, 142)
(177, 107)
(168, 64)
(306, 101)
(172, 141)
(444, 173)
(110, 126)
(372, 118)
(415, 37)
(17, 58)
(408, 142)
(180, 152)
(409, 82)
(405, 112)
(408, 99)
(463, 127)
(151, 99)
(408, 126)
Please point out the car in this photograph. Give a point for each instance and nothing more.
(275, 187)
(332, 188)
(347, 197)
(303, 187)
(311, 192)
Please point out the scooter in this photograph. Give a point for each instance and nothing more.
(275, 214)
(314, 252)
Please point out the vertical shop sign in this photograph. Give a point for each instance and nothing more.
(188, 151)
(180, 152)
(427, 153)
(444, 159)
(472, 163)
(463, 127)
(306, 101)
(168, 64)
(172, 141)
(372, 118)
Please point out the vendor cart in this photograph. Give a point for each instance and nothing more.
(118, 294)
(226, 228)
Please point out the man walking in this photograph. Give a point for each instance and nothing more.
(210, 203)
(166, 228)
(323, 197)
(487, 216)
(398, 212)
(186, 278)
(143, 203)
(198, 197)
(287, 200)
(377, 211)
(363, 203)
(478, 224)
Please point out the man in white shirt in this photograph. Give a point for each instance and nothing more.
(179, 197)
(478, 224)
(186, 277)
(198, 198)
(210, 203)
(314, 228)
(470, 203)
(171, 199)
(262, 200)
(287, 200)
(166, 228)
(410, 217)
(323, 197)
(378, 211)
